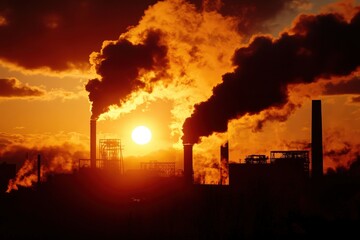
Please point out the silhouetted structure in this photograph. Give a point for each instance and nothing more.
(111, 157)
(188, 163)
(294, 157)
(39, 169)
(285, 167)
(93, 143)
(162, 169)
(316, 140)
(224, 163)
(256, 159)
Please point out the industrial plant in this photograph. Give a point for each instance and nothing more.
(280, 195)
(291, 162)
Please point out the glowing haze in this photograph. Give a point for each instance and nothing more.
(195, 71)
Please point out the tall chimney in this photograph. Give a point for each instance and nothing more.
(224, 152)
(316, 140)
(38, 169)
(188, 163)
(93, 143)
(224, 162)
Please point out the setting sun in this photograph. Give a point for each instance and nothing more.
(141, 135)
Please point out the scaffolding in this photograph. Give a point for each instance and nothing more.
(111, 157)
(295, 155)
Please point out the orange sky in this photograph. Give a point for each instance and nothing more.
(49, 52)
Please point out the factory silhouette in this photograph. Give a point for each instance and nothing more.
(283, 196)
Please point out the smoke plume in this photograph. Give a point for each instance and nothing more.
(316, 47)
(190, 59)
(120, 65)
(55, 159)
(59, 154)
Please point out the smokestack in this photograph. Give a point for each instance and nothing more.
(39, 169)
(93, 143)
(224, 162)
(316, 140)
(188, 163)
(224, 152)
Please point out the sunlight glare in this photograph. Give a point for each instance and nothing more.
(141, 135)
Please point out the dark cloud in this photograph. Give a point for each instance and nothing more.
(356, 99)
(346, 87)
(318, 46)
(60, 34)
(252, 14)
(119, 65)
(57, 33)
(14, 88)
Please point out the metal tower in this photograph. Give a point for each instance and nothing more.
(111, 157)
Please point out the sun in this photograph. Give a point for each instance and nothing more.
(141, 135)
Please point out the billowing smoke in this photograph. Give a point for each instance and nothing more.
(316, 47)
(184, 62)
(120, 65)
(341, 147)
(59, 153)
(55, 159)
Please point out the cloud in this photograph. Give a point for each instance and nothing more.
(61, 34)
(318, 46)
(13, 88)
(252, 15)
(351, 86)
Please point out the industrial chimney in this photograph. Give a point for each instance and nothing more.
(224, 163)
(93, 143)
(38, 169)
(316, 140)
(188, 163)
(224, 152)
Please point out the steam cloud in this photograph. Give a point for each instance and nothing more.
(316, 47)
(119, 65)
(55, 159)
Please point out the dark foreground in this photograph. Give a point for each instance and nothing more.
(94, 205)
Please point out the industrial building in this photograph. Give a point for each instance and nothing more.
(291, 163)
